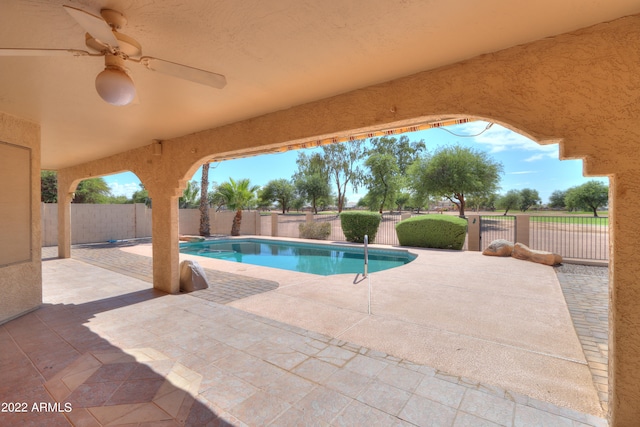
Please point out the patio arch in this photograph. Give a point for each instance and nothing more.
(579, 89)
(67, 185)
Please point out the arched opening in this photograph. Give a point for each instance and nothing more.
(569, 362)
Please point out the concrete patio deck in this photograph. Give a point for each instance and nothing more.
(116, 351)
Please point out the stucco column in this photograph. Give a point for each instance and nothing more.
(522, 229)
(164, 222)
(624, 299)
(64, 224)
(473, 233)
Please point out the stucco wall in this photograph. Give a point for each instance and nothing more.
(21, 280)
(94, 223)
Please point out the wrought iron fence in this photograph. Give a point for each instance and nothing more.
(494, 227)
(288, 225)
(336, 227)
(571, 236)
(386, 234)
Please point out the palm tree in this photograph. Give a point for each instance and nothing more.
(238, 196)
(189, 199)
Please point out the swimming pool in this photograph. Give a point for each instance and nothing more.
(318, 259)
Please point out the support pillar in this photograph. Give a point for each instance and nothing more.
(166, 255)
(64, 224)
(473, 232)
(274, 225)
(624, 300)
(522, 229)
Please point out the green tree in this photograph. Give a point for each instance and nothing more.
(238, 195)
(556, 200)
(404, 150)
(205, 228)
(402, 199)
(455, 171)
(416, 177)
(419, 202)
(141, 196)
(94, 190)
(297, 203)
(382, 182)
(511, 200)
(341, 165)
(216, 198)
(313, 164)
(48, 187)
(263, 203)
(530, 198)
(118, 200)
(589, 196)
(280, 191)
(189, 199)
(312, 187)
(482, 200)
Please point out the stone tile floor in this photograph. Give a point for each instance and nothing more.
(586, 290)
(105, 349)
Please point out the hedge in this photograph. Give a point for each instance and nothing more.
(433, 231)
(356, 224)
(315, 230)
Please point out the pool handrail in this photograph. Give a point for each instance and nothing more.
(366, 255)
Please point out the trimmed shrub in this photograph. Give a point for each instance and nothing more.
(356, 224)
(315, 230)
(432, 231)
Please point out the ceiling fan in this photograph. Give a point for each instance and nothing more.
(114, 85)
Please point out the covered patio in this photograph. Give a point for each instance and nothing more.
(122, 353)
(299, 75)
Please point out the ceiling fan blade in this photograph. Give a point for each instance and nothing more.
(45, 52)
(94, 25)
(196, 75)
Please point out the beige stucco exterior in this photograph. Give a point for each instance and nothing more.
(21, 279)
(581, 90)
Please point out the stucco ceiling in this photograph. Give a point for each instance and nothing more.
(275, 54)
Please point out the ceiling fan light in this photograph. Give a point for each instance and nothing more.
(115, 86)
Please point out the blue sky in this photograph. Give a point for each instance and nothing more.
(526, 163)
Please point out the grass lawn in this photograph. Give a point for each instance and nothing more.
(563, 217)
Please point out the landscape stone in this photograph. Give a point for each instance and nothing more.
(523, 252)
(191, 239)
(499, 247)
(192, 277)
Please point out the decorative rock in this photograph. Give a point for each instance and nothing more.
(523, 252)
(192, 277)
(499, 247)
(191, 239)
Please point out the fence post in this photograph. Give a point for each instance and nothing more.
(473, 230)
(522, 229)
(258, 221)
(274, 225)
(308, 217)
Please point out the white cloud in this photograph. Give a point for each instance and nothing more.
(552, 155)
(521, 172)
(128, 189)
(498, 138)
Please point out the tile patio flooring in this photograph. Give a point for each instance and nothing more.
(122, 354)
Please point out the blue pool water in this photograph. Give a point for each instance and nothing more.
(319, 259)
